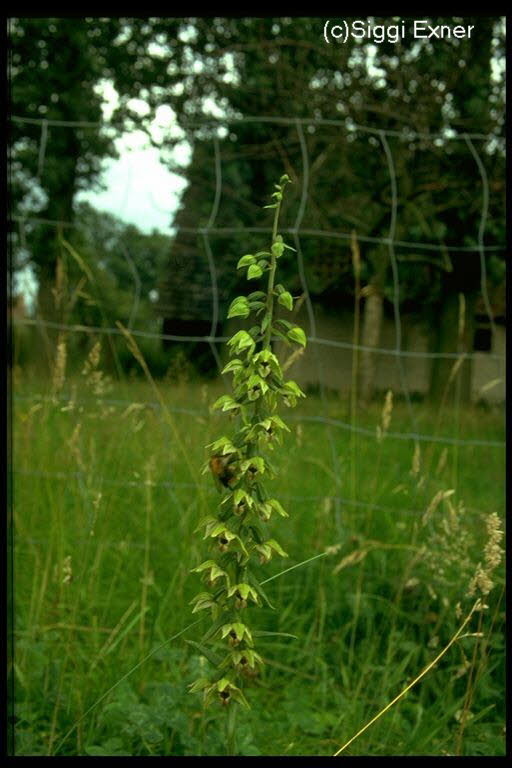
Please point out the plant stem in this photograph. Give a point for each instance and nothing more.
(356, 259)
(469, 691)
(271, 277)
(416, 680)
(231, 729)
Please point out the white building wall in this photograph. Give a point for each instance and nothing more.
(333, 365)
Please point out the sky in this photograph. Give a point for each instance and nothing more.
(138, 188)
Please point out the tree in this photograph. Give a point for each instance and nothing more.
(280, 67)
(443, 199)
(107, 271)
(56, 69)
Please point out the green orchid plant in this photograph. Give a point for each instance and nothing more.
(241, 466)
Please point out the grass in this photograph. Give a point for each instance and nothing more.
(105, 506)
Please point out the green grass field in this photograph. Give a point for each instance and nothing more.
(107, 493)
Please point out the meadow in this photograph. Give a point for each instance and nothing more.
(106, 496)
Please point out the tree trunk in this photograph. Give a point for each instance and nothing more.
(448, 338)
(372, 324)
(46, 311)
(46, 247)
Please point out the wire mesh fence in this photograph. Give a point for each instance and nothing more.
(299, 233)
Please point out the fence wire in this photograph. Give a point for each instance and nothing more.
(298, 233)
(422, 437)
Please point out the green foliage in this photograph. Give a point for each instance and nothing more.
(258, 386)
(56, 66)
(58, 71)
(455, 88)
(97, 513)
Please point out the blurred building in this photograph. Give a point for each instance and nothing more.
(334, 363)
(329, 359)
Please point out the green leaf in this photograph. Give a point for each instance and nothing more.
(274, 503)
(199, 685)
(279, 423)
(239, 307)
(256, 534)
(242, 631)
(242, 496)
(224, 445)
(233, 365)
(211, 631)
(280, 335)
(215, 571)
(241, 339)
(206, 652)
(286, 300)
(259, 589)
(265, 322)
(200, 596)
(277, 249)
(256, 461)
(254, 272)
(238, 696)
(254, 381)
(291, 387)
(263, 633)
(265, 510)
(276, 547)
(244, 590)
(264, 551)
(225, 630)
(223, 683)
(205, 520)
(246, 260)
(285, 323)
(203, 566)
(226, 402)
(253, 658)
(297, 334)
(221, 530)
(202, 602)
(111, 748)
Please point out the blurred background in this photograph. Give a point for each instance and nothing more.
(152, 145)
(141, 154)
